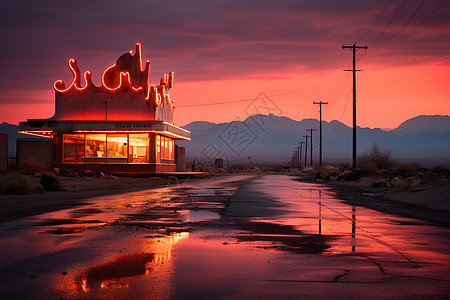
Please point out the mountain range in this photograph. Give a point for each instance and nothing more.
(270, 139)
(273, 139)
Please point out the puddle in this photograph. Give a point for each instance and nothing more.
(175, 242)
(124, 266)
(313, 210)
(203, 192)
(198, 215)
(66, 230)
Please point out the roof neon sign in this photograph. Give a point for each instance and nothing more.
(125, 75)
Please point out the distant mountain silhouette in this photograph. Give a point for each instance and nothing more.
(421, 124)
(273, 139)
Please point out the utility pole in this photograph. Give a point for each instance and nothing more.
(294, 155)
(306, 147)
(354, 48)
(300, 154)
(311, 130)
(320, 126)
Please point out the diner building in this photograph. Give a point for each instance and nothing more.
(124, 125)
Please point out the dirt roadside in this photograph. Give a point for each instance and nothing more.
(75, 191)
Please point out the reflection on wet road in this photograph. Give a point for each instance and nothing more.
(276, 237)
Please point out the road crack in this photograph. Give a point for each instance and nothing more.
(376, 263)
(346, 272)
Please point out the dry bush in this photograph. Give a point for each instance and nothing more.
(412, 182)
(331, 170)
(320, 168)
(344, 166)
(30, 166)
(16, 184)
(441, 170)
(37, 188)
(406, 170)
(277, 168)
(376, 159)
(367, 179)
(364, 163)
(407, 183)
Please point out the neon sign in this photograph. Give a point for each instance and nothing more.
(60, 86)
(125, 75)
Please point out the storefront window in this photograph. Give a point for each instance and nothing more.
(115, 148)
(117, 145)
(73, 147)
(158, 148)
(95, 145)
(138, 148)
(164, 148)
(171, 149)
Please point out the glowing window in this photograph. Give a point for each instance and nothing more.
(117, 145)
(73, 145)
(166, 148)
(138, 148)
(158, 148)
(171, 149)
(95, 145)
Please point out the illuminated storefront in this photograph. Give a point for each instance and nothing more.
(125, 125)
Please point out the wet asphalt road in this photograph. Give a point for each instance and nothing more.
(276, 238)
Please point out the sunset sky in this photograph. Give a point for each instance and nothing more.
(227, 53)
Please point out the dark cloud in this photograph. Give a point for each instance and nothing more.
(214, 39)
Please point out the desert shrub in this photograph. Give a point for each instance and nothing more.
(344, 166)
(376, 159)
(331, 170)
(16, 184)
(30, 166)
(441, 169)
(364, 163)
(319, 168)
(277, 169)
(406, 170)
(37, 188)
(407, 183)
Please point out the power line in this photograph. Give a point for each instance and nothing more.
(244, 100)
(427, 18)
(409, 21)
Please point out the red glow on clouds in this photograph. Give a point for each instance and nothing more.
(223, 52)
(386, 97)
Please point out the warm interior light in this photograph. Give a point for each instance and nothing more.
(161, 132)
(47, 134)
